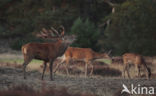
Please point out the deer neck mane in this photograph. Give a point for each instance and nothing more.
(61, 47)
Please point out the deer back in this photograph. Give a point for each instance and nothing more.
(132, 58)
(79, 53)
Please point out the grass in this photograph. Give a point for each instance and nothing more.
(107, 61)
(18, 61)
(25, 90)
(34, 64)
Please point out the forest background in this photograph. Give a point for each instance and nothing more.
(117, 25)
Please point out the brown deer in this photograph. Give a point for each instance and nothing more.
(138, 61)
(83, 54)
(47, 52)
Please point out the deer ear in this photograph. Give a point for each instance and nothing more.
(62, 30)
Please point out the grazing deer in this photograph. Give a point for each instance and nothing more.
(47, 52)
(138, 61)
(85, 54)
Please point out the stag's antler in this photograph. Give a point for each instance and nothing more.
(51, 33)
(56, 32)
(43, 33)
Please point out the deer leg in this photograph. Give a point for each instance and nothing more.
(139, 75)
(67, 71)
(91, 73)
(44, 68)
(86, 69)
(124, 71)
(148, 72)
(58, 65)
(26, 62)
(127, 68)
(66, 66)
(51, 69)
(92, 68)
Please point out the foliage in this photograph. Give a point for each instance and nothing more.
(86, 33)
(54, 18)
(26, 16)
(21, 18)
(18, 42)
(133, 28)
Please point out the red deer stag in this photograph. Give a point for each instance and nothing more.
(85, 54)
(138, 61)
(47, 52)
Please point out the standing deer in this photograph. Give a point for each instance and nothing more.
(138, 61)
(85, 54)
(47, 52)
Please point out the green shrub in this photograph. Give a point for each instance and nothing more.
(86, 32)
(133, 28)
(17, 44)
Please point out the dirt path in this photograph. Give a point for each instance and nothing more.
(99, 86)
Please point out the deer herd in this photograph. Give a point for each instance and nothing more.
(58, 45)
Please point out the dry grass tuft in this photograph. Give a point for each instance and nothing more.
(7, 64)
(24, 90)
(107, 71)
(78, 68)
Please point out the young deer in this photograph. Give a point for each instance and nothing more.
(85, 54)
(138, 61)
(47, 52)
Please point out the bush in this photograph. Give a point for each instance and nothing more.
(86, 33)
(133, 28)
(17, 44)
